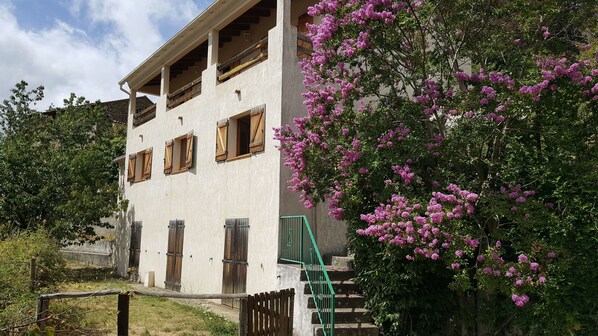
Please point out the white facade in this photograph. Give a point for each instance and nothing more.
(209, 193)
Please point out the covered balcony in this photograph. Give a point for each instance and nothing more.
(243, 43)
(185, 76)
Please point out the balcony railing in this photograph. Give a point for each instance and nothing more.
(141, 117)
(296, 244)
(184, 94)
(244, 60)
(304, 46)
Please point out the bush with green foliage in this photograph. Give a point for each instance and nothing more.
(18, 292)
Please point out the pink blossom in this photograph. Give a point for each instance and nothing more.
(522, 258)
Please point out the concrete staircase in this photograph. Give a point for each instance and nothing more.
(351, 318)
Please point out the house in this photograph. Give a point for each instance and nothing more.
(206, 187)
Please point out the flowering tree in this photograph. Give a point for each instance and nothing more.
(458, 139)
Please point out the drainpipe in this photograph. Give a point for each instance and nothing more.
(124, 90)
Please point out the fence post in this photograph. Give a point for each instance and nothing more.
(32, 274)
(243, 317)
(123, 314)
(43, 305)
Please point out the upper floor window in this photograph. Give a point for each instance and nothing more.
(178, 154)
(140, 166)
(246, 134)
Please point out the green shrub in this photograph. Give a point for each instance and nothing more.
(18, 293)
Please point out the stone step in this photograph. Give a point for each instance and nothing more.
(350, 329)
(342, 301)
(342, 262)
(334, 274)
(340, 287)
(345, 315)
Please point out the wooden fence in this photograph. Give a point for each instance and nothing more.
(270, 313)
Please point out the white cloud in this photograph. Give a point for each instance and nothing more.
(68, 59)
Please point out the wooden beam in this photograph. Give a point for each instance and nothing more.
(238, 25)
(266, 3)
(230, 32)
(258, 12)
(247, 19)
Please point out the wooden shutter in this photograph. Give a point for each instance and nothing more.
(256, 137)
(131, 171)
(147, 163)
(221, 140)
(228, 262)
(135, 246)
(241, 244)
(234, 262)
(168, 156)
(178, 254)
(169, 281)
(174, 256)
(189, 151)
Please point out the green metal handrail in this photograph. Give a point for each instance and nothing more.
(298, 245)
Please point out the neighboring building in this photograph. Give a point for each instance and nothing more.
(116, 110)
(205, 182)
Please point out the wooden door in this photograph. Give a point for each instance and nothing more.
(174, 255)
(234, 276)
(135, 246)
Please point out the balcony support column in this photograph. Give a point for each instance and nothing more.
(210, 74)
(165, 81)
(132, 107)
(164, 89)
(213, 38)
(283, 13)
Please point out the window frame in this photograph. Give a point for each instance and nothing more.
(230, 149)
(177, 152)
(140, 166)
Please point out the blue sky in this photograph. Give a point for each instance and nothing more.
(83, 46)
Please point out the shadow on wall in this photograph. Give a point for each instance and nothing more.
(122, 229)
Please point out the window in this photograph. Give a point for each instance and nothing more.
(243, 127)
(178, 154)
(140, 166)
(247, 130)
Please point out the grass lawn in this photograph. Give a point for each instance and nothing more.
(147, 315)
